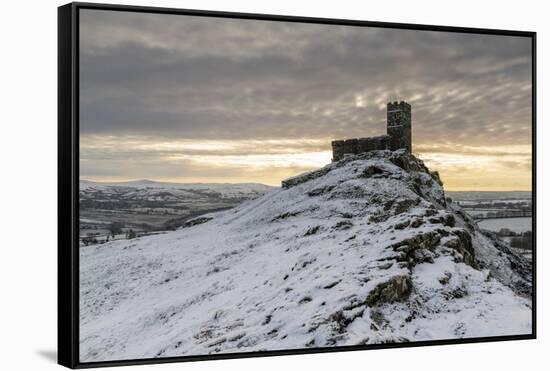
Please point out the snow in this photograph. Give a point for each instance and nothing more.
(296, 268)
(224, 189)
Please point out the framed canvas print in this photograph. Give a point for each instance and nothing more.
(238, 185)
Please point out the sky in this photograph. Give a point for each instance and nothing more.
(198, 99)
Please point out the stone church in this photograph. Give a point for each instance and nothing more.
(398, 134)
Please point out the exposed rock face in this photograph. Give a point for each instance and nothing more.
(397, 288)
(365, 250)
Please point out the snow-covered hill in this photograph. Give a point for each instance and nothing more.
(145, 205)
(226, 190)
(366, 250)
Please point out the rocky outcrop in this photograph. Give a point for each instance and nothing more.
(397, 288)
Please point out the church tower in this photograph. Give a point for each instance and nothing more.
(399, 125)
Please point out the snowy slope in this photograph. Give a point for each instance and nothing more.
(363, 251)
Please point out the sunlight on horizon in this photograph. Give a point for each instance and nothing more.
(270, 161)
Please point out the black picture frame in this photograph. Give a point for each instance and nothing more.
(68, 180)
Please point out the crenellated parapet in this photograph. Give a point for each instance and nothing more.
(398, 106)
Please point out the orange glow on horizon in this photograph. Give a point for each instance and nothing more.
(462, 168)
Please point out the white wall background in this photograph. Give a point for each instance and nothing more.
(28, 183)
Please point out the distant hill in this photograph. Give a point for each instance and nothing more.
(224, 189)
(146, 205)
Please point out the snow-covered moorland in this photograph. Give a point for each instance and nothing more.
(366, 250)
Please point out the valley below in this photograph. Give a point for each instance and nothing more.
(114, 211)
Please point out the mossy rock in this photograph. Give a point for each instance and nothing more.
(446, 278)
(378, 218)
(435, 176)
(320, 191)
(422, 256)
(395, 340)
(343, 225)
(443, 232)
(404, 205)
(408, 162)
(457, 293)
(462, 243)
(416, 250)
(372, 170)
(395, 289)
(430, 212)
(285, 215)
(302, 178)
(428, 240)
(402, 225)
(417, 223)
(402, 162)
(312, 230)
(449, 220)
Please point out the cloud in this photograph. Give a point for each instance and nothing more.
(185, 78)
